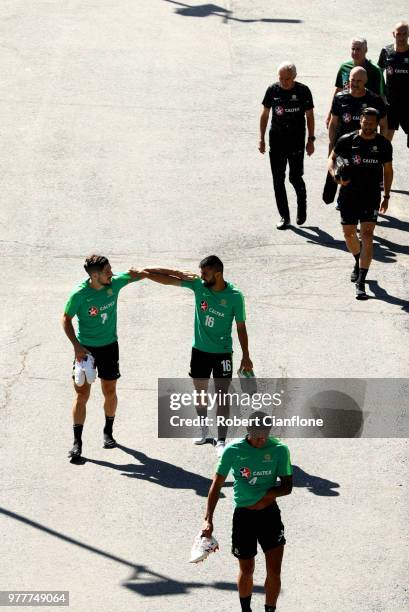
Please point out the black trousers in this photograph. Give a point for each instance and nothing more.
(294, 156)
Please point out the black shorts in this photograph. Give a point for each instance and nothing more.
(106, 360)
(202, 364)
(359, 208)
(398, 115)
(252, 526)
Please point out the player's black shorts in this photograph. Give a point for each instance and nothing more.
(252, 526)
(106, 360)
(359, 208)
(398, 115)
(202, 364)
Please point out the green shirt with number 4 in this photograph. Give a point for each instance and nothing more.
(214, 314)
(96, 310)
(255, 470)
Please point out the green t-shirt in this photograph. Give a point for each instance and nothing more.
(255, 470)
(375, 83)
(96, 310)
(214, 314)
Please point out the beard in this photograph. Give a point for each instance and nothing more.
(210, 283)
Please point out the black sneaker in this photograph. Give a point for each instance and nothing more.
(75, 452)
(109, 441)
(283, 224)
(301, 217)
(354, 274)
(360, 291)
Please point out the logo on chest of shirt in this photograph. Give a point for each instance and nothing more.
(267, 458)
(346, 117)
(223, 302)
(356, 159)
(245, 472)
(93, 311)
(374, 148)
(204, 305)
(109, 292)
(389, 70)
(279, 110)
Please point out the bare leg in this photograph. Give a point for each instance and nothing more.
(272, 584)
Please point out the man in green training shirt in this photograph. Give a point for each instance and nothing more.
(94, 303)
(375, 81)
(217, 303)
(256, 461)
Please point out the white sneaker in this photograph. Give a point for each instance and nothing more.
(202, 547)
(79, 374)
(205, 434)
(220, 446)
(90, 371)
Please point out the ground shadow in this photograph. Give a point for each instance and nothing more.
(385, 250)
(151, 584)
(206, 10)
(402, 191)
(158, 472)
(314, 484)
(389, 222)
(381, 294)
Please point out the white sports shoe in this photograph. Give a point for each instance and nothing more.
(202, 547)
(220, 446)
(205, 434)
(85, 370)
(90, 371)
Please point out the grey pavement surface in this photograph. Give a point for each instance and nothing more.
(130, 128)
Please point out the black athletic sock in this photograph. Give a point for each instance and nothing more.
(109, 421)
(221, 439)
(356, 257)
(78, 433)
(362, 275)
(245, 604)
(269, 608)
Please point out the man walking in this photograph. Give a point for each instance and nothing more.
(394, 59)
(256, 461)
(94, 303)
(375, 82)
(290, 103)
(345, 116)
(358, 162)
(217, 303)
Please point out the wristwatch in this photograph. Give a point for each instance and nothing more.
(311, 138)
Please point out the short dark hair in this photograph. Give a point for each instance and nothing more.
(212, 261)
(370, 112)
(95, 263)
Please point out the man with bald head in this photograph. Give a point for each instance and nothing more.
(375, 82)
(291, 105)
(345, 117)
(394, 59)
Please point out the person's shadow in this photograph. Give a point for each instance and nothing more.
(206, 10)
(314, 484)
(381, 294)
(158, 472)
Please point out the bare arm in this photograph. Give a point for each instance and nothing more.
(332, 131)
(310, 127)
(80, 351)
(285, 487)
(387, 184)
(212, 499)
(246, 363)
(327, 120)
(265, 113)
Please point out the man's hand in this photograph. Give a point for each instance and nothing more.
(309, 147)
(246, 363)
(265, 501)
(341, 182)
(262, 146)
(207, 529)
(137, 273)
(384, 206)
(80, 352)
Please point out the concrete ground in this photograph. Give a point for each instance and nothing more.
(130, 128)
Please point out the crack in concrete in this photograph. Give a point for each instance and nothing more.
(8, 387)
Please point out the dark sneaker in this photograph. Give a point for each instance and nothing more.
(301, 217)
(75, 452)
(109, 441)
(354, 274)
(360, 291)
(283, 224)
